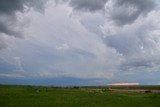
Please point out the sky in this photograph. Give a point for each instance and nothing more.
(79, 42)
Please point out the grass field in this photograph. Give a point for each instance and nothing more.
(29, 96)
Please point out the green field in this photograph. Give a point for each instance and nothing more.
(29, 96)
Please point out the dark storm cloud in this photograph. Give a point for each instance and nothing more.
(2, 43)
(8, 8)
(137, 43)
(120, 11)
(127, 11)
(8, 18)
(5, 29)
(89, 5)
(12, 6)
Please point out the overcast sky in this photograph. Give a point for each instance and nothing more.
(79, 42)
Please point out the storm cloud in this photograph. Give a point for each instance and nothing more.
(138, 42)
(127, 11)
(8, 15)
(120, 11)
(89, 5)
(2, 43)
(111, 40)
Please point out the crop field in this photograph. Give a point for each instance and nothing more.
(102, 96)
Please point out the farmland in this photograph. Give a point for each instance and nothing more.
(98, 96)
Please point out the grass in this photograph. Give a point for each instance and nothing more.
(29, 96)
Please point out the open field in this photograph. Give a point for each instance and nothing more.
(102, 96)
